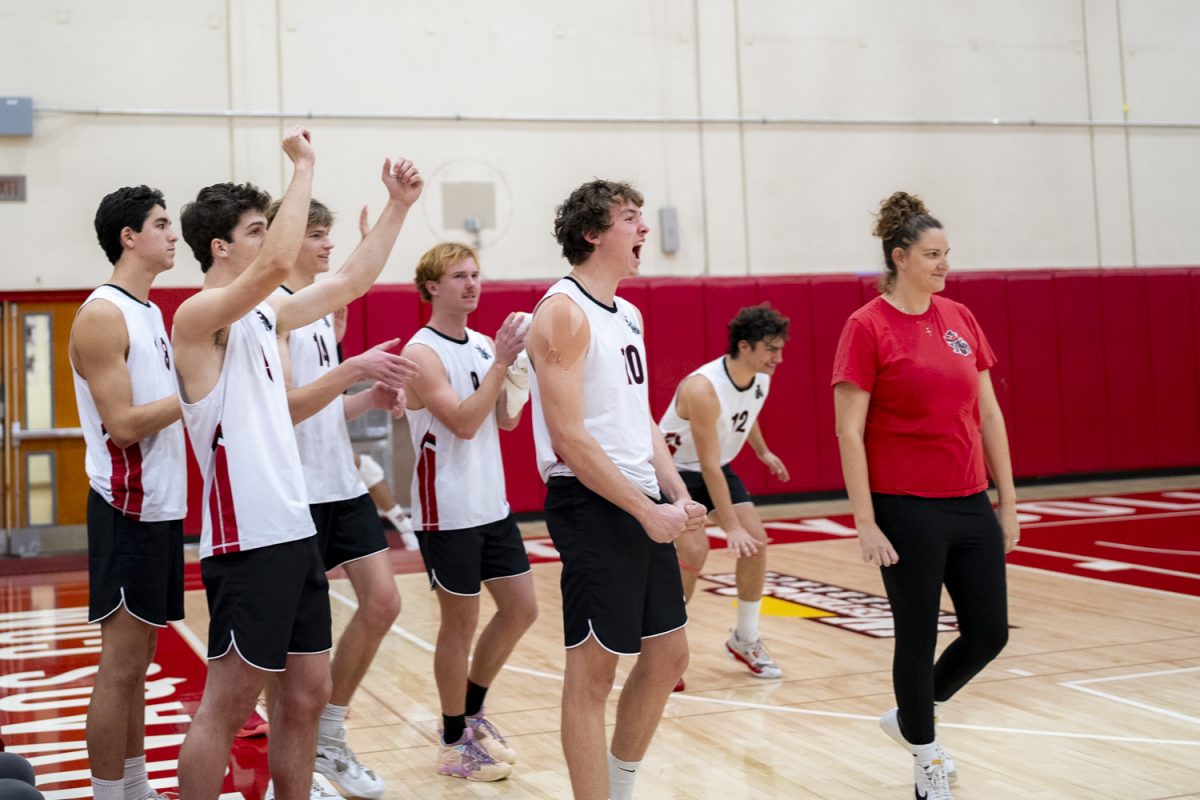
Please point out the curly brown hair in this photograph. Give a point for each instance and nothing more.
(754, 324)
(589, 210)
(900, 221)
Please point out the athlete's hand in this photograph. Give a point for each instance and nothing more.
(876, 549)
(389, 398)
(364, 223)
(298, 146)
(664, 523)
(403, 182)
(775, 465)
(697, 514)
(378, 364)
(1011, 528)
(510, 339)
(740, 543)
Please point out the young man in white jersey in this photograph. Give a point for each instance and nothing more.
(614, 502)
(713, 413)
(129, 409)
(457, 404)
(349, 532)
(267, 592)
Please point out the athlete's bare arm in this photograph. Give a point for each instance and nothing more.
(699, 401)
(431, 387)
(999, 463)
(199, 350)
(558, 342)
(850, 405)
(404, 184)
(99, 348)
(511, 335)
(773, 462)
(380, 395)
(375, 364)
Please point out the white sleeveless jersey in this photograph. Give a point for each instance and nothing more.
(616, 400)
(147, 480)
(323, 440)
(739, 410)
(243, 441)
(457, 483)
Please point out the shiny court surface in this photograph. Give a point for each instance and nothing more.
(1096, 696)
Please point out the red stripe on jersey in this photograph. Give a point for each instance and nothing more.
(427, 482)
(126, 478)
(220, 503)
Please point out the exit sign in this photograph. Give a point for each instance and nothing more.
(12, 188)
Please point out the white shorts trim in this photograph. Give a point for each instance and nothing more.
(121, 603)
(506, 577)
(591, 634)
(435, 582)
(664, 633)
(233, 646)
(357, 558)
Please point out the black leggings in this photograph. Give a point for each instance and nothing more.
(956, 541)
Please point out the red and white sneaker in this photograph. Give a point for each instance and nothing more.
(754, 655)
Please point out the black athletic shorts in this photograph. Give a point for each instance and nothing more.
(618, 584)
(461, 561)
(138, 564)
(348, 530)
(267, 603)
(694, 481)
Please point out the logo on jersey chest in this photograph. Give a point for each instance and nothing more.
(633, 327)
(957, 343)
(758, 393)
(263, 319)
(483, 353)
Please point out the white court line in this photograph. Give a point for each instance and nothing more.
(1093, 520)
(1114, 584)
(1166, 712)
(193, 641)
(424, 645)
(1128, 565)
(1158, 550)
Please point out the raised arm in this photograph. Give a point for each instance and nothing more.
(99, 346)
(404, 184)
(207, 312)
(558, 345)
(850, 404)
(995, 452)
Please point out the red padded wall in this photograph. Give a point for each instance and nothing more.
(1083, 375)
(1098, 370)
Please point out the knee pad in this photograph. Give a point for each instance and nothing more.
(369, 470)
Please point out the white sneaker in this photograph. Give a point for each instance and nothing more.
(754, 655)
(890, 722)
(321, 790)
(337, 762)
(930, 782)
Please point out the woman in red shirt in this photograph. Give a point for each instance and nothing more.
(917, 421)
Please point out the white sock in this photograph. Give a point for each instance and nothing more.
(924, 752)
(747, 620)
(108, 790)
(333, 720)
(137, 787)
(621, 775)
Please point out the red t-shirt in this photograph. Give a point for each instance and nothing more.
(922, 435)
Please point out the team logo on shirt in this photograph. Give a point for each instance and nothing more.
(758, 395)
(263, 319)
(631, 325)
(957, 343)
(483, 353)
(848, 609)
(162, 345)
